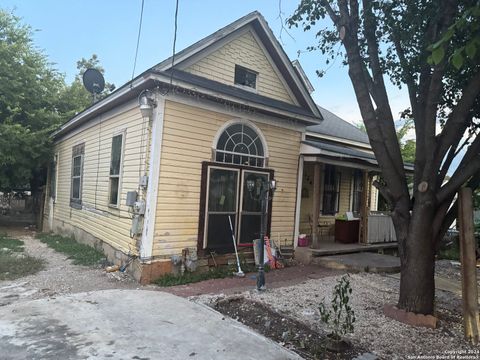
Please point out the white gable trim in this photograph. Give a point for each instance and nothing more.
(189, 61)
(231, 29)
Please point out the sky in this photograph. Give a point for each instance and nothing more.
(68, 30)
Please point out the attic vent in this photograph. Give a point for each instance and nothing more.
(245, 77)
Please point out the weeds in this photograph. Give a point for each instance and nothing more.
(189, 277)
(14, 263)
(80, 254)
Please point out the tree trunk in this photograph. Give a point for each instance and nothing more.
(417, 284)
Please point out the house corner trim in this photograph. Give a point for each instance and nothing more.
(146, 248)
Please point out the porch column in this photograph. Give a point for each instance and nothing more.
(316, 205)
(364, 209)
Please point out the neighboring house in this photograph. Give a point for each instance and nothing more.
(233, 108)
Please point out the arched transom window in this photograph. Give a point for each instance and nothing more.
(240, 144)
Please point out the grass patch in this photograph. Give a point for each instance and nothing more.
(10, 244)
(214, 273)
(80, 254)
(451, 252)
(188, 277)
(13, 263)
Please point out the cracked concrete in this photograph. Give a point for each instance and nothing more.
(127, 324)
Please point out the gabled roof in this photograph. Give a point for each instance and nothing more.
(307, 112)
(332, 125)
(260, 26)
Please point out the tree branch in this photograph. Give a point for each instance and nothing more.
(435, 89)
(385, 192)
(452, 213)
(333, 15)
(469, 165)
(458, 119)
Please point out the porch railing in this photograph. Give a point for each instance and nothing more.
(380, 228)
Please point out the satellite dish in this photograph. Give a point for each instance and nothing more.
(93, 81)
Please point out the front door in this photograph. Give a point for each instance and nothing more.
(227, 200)
(251, 209)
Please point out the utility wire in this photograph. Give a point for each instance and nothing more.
(174, 41)
(138, 41)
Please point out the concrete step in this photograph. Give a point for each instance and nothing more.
(360, 262)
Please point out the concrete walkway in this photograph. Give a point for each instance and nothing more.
(127, 324)
(359, 262)
(442, 283)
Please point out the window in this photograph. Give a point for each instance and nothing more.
(240, 144)
(78, 152)
(245, 77)
(357, 191)
(115, 164)
(331, 188)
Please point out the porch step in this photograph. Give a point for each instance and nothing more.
(360, 262)
(287, 252)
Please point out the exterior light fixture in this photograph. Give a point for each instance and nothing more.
(263, 191)
(147, 103)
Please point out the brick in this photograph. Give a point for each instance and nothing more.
(409, 318)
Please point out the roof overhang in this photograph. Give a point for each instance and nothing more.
(218, 92)
(128, 91)
(342, 155)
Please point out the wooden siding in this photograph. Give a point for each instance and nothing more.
(187, 141)
(244, 51)
(111, 225)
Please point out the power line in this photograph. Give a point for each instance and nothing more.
(138, 40)
(174, 40)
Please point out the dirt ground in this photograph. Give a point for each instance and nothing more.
(287, 312)
(60, 276)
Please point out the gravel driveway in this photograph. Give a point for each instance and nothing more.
(384, 337)
(60, 275)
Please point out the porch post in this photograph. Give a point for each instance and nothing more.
(316, 205)
(364, 209)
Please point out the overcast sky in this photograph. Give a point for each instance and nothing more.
(70, 30)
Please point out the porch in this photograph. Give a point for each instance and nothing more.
(339, 204)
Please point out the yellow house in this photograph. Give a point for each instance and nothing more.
(155, 172)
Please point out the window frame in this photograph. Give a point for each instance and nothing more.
(333, 209)
(120, 170)
(78, 151)
(357, 187)
(247, 70)
(263, 159)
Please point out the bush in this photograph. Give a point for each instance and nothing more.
(341, 317)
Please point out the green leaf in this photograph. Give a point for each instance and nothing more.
(437, 55)
(457, 59)
(471, 49)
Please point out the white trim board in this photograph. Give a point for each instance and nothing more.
(255, 117)
(148, 232)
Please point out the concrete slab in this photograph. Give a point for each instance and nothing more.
(368, 262)
(127, 324)
(443, 283)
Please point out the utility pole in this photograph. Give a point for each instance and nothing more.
(469, 262)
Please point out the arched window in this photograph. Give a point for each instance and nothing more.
(240, 144)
